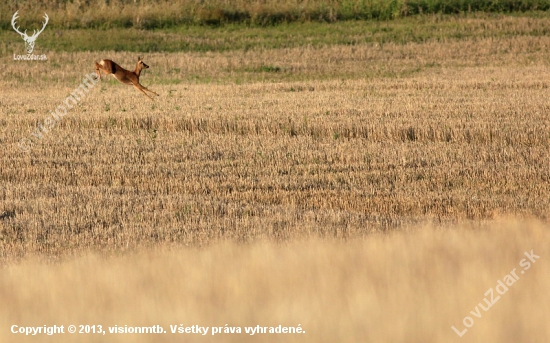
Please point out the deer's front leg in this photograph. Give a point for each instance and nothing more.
(140, 88)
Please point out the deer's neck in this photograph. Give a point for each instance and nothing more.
(138, 70)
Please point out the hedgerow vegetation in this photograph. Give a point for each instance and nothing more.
(238, 37)
(149, 14)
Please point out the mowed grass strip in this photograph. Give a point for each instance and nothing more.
(64, 70)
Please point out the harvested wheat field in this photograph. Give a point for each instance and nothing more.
(365, 192)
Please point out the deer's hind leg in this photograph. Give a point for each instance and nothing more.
(98, 69)
(102, 66)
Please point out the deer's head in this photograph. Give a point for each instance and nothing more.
(29, 40)
(140, 66)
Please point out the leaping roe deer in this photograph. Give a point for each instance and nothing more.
(123, 75)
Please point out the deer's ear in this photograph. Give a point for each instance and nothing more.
(139, 58)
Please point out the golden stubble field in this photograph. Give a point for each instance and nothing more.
(361, 192)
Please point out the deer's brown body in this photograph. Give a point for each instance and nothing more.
(125, 76)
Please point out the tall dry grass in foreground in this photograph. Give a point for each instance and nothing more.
(407, 286)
